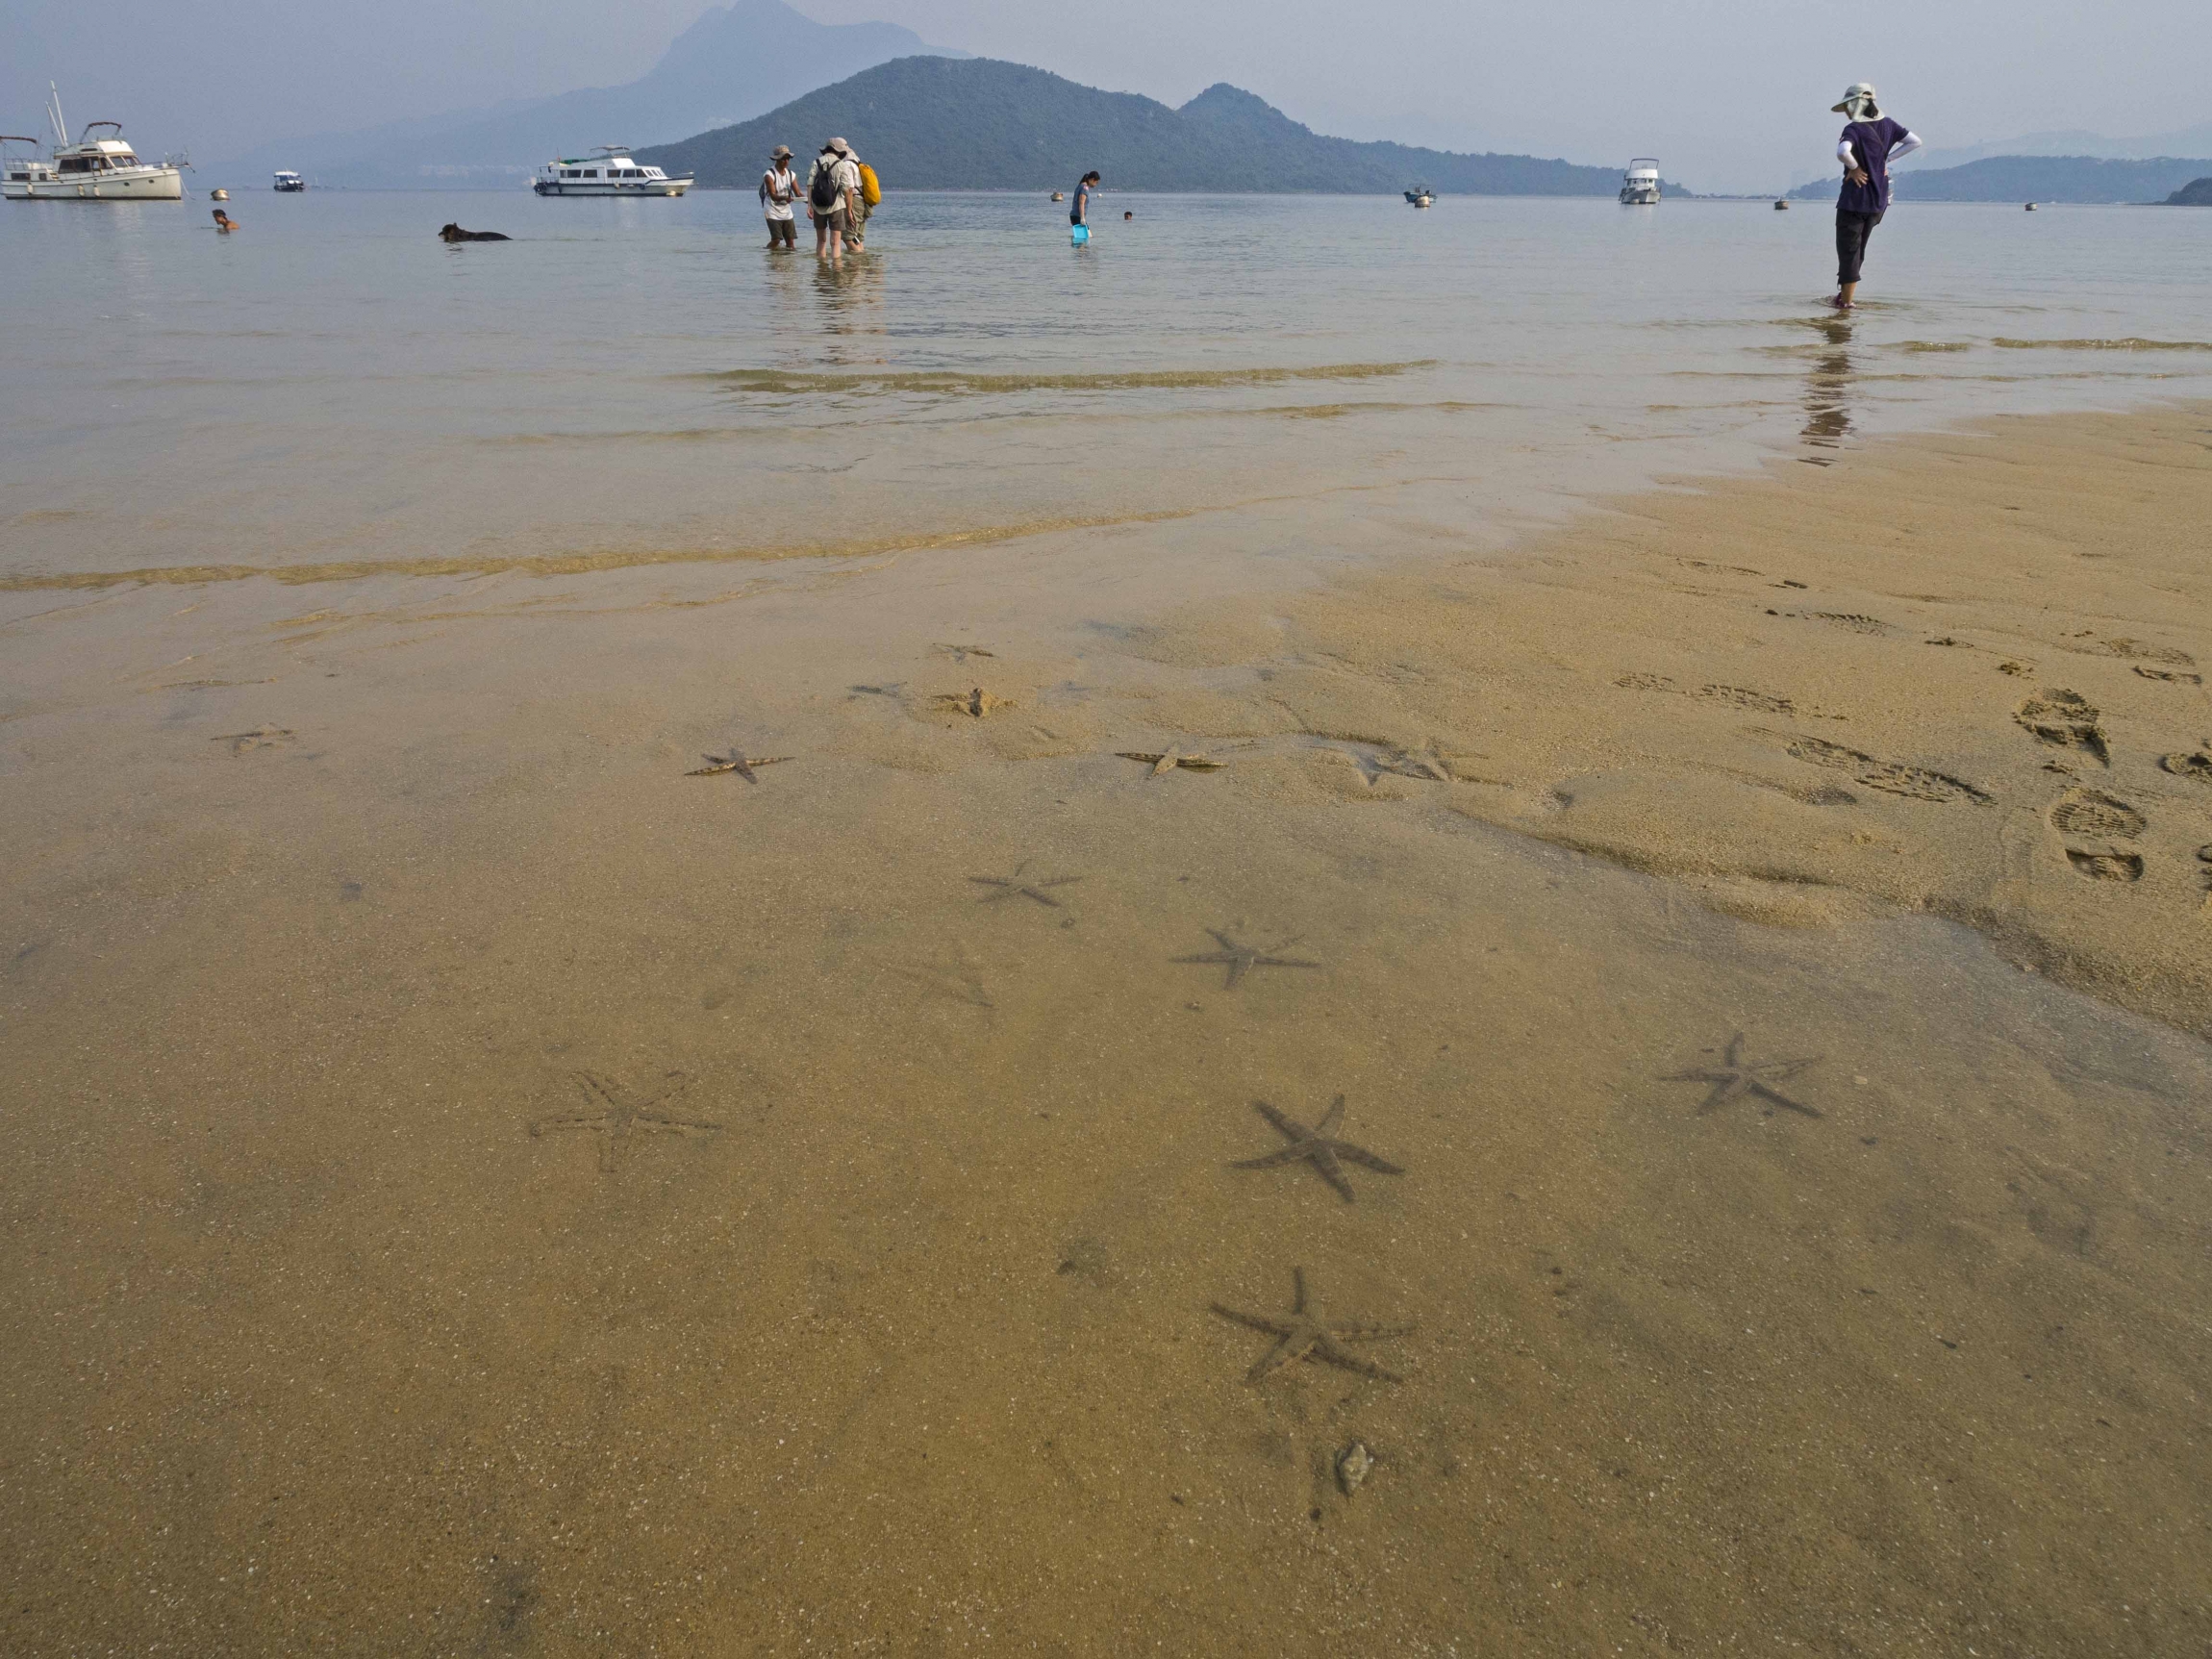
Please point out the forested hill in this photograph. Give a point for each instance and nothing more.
(2035, 178)
(978, 124)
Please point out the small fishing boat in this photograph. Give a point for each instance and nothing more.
(1420, 197)
(288, 184)
(2031, 206)
(1781, 204)
(93, 169)
(1640, 184)
(608, 171)
(218, 195)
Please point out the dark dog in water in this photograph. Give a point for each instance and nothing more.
(455, 234)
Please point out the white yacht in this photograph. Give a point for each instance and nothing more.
(1640, 184)
(608, 171)
(289, 184)
(93, 170)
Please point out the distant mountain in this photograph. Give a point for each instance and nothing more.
(2195, 193)
(733, 62)
(2035, 178)
(936, 124)
(2193, 140)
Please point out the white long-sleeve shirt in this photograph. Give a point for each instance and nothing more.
(1903, 147)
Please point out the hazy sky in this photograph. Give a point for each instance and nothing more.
(1731, 94)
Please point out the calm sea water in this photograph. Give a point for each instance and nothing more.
(332, 385)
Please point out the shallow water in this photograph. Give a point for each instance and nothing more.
(640, 379)
(473, 1187)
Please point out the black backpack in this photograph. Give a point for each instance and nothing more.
(824, 191)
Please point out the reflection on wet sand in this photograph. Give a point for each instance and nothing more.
(1829, 388)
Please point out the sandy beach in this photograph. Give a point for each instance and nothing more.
(474, 1187)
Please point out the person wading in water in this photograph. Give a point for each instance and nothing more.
(1870, 143)
(832, 185)
(779, 189)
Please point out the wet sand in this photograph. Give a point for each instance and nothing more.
(475, 1188)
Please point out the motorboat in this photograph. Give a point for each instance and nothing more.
(608, 171)
(1781, 204)
(1640, 184)
(93, 169)
(1420, 197)
(288, 184)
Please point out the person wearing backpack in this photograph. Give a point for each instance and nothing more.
(834, 181)
(779, 189)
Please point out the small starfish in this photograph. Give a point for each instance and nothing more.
(1304, 1337)
(1163, 763)
(619, 1120)
(960, 653)
(736, 762)
(977, 702)
(1014, 886)
(1242, 958)
(260, 737)
(1418, 763)
(1733, 1080)
(1316, 1146)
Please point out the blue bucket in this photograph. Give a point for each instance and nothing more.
(1078, 235)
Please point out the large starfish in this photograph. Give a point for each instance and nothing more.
(736, 762)
(1014, 886)
(1242, 958)
(617, 1120)
(1302, 1334)
(1316, 1147)
(1733, 1080)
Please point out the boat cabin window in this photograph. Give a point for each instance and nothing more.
(571, 173)
(591, 173)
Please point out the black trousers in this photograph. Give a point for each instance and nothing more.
(1851, 233)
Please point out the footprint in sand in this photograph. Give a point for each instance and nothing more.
(2099, 824)
(2172, 676)
(2197, 766)
(1915, 783)
(2065, 720)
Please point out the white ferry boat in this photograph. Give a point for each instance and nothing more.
(102, 169)
(288, 184)
(608, 171)
(1640, 184)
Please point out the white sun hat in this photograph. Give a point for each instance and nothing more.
(1859, 102)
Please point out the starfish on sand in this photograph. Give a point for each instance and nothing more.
(735, 760)
(1165, 764)
(1014, 886)
(1316, 1147)
(1732, 1080)
(617, 1119)
(1242, 958)
(1302, 1334)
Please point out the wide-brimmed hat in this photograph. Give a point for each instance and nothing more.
(839, 145)
(1859, 102)
(781, 153)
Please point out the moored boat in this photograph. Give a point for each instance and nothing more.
(288, 184)
(609, 171)
(93, 170)
(1640, 184)
(1421, 195)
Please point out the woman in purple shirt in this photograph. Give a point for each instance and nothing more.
(1868, 144)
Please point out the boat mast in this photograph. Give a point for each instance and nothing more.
(54, 114)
